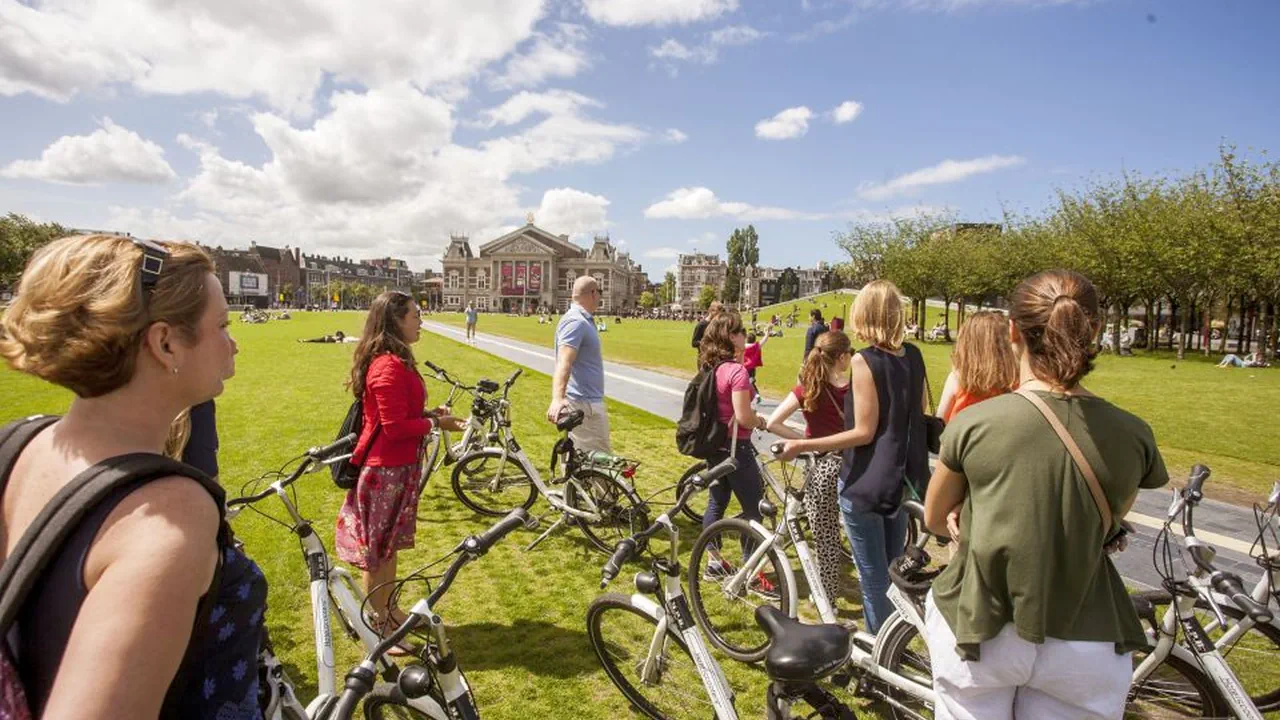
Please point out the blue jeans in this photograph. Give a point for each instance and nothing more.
(876, 540)
(744, 483)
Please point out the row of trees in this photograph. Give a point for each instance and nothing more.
(20, 237)
(1197, 247)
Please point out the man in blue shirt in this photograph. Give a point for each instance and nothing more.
(578, 381)
(816, 328)
(471, 323)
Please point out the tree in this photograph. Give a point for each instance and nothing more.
(788, 285)
(706, 297)
(648, 300)
(742, 251)
(667, 291)
(20, 237)
(286, 292)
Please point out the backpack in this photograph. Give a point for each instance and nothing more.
(346, 471)
(43, 539)
(700, 433)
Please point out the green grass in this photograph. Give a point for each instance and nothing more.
(516, 618)
(1200, 413)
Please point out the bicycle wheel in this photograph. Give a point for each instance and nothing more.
(432, 456)
(728, 617)
(697, 504)
(490, 485)
(621, 512)
(1251, 656)
(1174, 689)
(622, 637)
(905, 653)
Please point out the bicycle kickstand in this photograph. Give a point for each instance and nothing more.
(546, 533)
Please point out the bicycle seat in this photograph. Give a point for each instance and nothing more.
(800, 652)
(569, 421)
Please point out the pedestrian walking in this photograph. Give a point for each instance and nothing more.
(578, 380)
(884, 447)
(820, 397)
(816, 328)
(753, 359)
(471, 316)
(1032, 620)
(378, 518)
(982, 364)
(701, 327)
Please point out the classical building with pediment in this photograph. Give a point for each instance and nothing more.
(531, 269)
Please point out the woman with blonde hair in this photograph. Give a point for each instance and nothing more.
(884, 446)
(820, 396)
(1031, 619)
(982, 364)
(122, 621)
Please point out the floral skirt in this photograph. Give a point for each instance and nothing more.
(379, 515)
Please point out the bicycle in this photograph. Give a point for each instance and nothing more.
(597, 502)
(673, 656)
(1240, 634)
(331, 587)
(489, 422)
(1207, 686)
(437, 686)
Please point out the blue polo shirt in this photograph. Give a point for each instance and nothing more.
(577, 329)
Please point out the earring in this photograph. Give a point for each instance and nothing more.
(175, 371)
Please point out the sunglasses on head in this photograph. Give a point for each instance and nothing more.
(154, 256)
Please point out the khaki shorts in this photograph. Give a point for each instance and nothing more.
(593, 434)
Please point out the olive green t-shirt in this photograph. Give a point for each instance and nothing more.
(1031, 536)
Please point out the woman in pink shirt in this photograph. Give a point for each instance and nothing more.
(752, 358)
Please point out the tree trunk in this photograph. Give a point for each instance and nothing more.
(1226, 326)
(1173, 320)
(1266, 344)
(1115, 333)
(1240, 330)
(946, 318)
(1153, 323)
(1184, 327)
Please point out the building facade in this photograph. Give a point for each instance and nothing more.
(765, 286)
(327, 277)
(694, 272)
(531, 269)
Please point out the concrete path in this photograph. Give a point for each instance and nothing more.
(1229, 528)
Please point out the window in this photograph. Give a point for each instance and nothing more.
(472, 281)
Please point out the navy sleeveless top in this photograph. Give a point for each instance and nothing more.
(871, 479)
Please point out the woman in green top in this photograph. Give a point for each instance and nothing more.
(1031, 619)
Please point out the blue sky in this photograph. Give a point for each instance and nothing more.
(339, 126)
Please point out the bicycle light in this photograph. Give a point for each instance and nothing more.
(629, 472)
(415, 681)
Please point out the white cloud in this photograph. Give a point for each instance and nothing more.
(572, 212)
(524, 104)
(706, 239)
(656, 12)
(280, 52)
(959, 5)
(674, 136)
(788, 124)
(699, 203)
(846, 112)
(662, 253)
(947, 171)
(109, 154)
(825, 27)
(708, 51)
(550, 56)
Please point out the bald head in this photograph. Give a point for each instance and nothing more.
(586, 292)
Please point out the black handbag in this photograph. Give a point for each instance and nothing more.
(933, 425)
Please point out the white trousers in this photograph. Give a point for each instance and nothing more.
(1058, 680)
(593, 434)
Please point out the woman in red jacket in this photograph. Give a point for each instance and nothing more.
(378, 517)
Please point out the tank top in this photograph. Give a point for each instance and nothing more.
(224, 686)
(964, 399)
(871, 479)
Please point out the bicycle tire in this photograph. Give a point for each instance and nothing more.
(1165, 697)
(676, 662)
(689, 511)
(734, 631)
(1267, 700)
(474, 495)
(432, 457)
(904, 652)
(623, 514)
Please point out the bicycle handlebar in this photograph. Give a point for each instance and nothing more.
(809, 457)
(332, 448)
(627, 548)
(1230, 585)
(1195, 483)
(319, 454)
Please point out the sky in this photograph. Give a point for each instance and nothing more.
(374, 129)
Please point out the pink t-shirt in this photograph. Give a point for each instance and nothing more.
(751, 356)
(731, 376)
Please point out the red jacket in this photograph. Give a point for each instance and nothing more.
(394, 398)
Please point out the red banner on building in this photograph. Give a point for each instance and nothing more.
(521, 277)
(535, 278)
(508, 280)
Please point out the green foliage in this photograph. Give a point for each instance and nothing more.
(706, 297)
(20, 237)
(742, 251)
(648, 300)
(667, 291)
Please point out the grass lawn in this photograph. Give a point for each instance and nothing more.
(516, 618)
(1200, 413)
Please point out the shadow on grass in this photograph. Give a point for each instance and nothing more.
(540, 647)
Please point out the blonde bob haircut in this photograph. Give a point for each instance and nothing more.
(876, 317)
(80, 313)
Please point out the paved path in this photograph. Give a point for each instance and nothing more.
(1229, 528)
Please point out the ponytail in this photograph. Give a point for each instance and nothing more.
(819, 366)
(1057, 314)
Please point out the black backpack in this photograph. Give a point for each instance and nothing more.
(43, 539)
(347, 471)
(700, 433)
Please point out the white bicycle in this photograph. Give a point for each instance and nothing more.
(653, 652)
(488, 424)
(331, 588)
